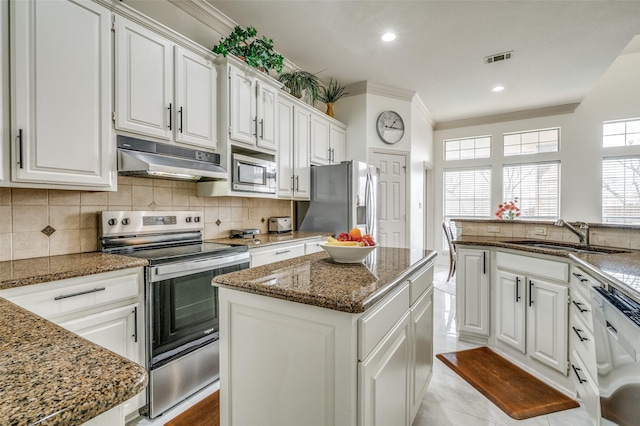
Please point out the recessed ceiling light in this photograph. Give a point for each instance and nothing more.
(498, 89)
(388, 37)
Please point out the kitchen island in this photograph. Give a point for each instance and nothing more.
(310, 341)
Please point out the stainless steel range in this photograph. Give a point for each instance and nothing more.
(181, 305)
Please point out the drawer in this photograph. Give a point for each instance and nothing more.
(264, 256)
(377, 321)
(56, 298)
(582, 282)
(581, 308)
(526, 265)
(586, 386)
(581, 341)
(314, 246)
(420, 282)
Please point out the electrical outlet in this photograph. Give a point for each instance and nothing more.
(540, 231)
(250, 213)
(493, 229)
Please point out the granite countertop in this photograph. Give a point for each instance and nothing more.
(262, 240)
(617, 267)
(52, 376)
(317, 280)
(17, 273)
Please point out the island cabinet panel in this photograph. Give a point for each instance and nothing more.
(421, 362)
(473, 290)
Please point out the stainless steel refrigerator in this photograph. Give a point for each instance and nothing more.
(343, 196)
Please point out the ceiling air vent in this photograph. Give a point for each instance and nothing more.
(498, 57)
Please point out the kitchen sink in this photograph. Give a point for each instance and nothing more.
(571, 248)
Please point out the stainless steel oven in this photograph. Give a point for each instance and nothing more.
(253, 174)
(181, 304)
(616, 321)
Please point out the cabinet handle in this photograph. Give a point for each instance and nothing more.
(484, 263)
(577, 331)
(530, 292)
(80, 293)
(262, 128)
(170, 115)
(20, 147)
(518, 289)
(575, 370)
(180, 112)
(297, 182)
(329, 154)
(293, 183)
(255, 126)
(579, 306)
(580, 277)
(333, 155)
(135, 324)
(283, 252)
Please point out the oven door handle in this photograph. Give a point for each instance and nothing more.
(200, 264)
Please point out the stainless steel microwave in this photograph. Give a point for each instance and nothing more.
(253, 174)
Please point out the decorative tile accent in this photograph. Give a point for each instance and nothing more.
(262, 220)
(218, 222)
(153, 205)
(48, 231)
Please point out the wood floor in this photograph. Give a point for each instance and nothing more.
(204, 413)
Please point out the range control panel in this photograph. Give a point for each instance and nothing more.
(114, 222)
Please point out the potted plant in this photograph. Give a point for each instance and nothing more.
(301, 82)
(330, 94)
(246, 45)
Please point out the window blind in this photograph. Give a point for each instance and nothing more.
(467, 193)
(537, 186)
(621, 190)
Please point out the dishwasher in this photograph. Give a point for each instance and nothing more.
(616, 322)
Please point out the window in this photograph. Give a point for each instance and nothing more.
(467, 149)
(621, 133)
(537, 187)
(467, 193)
(621, 190)
(531, 142)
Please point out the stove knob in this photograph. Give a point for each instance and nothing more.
(196, 219)
(112, 222)
(188, 219)
(126, 221)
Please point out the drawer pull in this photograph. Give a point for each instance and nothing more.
(80, 293)
(580, 277)
(575, 370)
(577, 331)
(283, 252)
(579, 306)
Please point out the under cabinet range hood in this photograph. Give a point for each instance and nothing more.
(142, 158)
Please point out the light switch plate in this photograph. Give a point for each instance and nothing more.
(540, 231)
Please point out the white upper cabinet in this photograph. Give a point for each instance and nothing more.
(293, 150)
(252, 109)
(61, 94)
(144, 81)
(163, 90)
(328, 140)
(195, 86)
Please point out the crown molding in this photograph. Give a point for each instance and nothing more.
(423, 111)
(379, 89)
(508, 116)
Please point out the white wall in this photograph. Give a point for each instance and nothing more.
(615, 96)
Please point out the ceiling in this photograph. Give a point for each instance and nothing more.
(560, 48)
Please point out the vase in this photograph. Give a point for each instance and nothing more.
(330, 109)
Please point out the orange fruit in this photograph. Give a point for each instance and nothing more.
(355, 234)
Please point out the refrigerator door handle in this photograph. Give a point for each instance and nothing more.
(368, 202)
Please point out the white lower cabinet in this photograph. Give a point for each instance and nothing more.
(297, 364)
(104, 308)
(265, 255)
(472, 291)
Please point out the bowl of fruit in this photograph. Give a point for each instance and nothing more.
(349, 247)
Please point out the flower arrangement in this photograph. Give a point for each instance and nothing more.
(508, 210)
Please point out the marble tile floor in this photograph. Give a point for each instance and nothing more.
(452, 401)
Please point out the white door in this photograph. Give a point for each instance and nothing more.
(61, 81)
(144, 81)
(301, 142)
(320, 140)
(285, 179)
(242, 107)
(510, 310)
(195, 84)
(338, 144)
(546, 308)
(267, 118)
(472, 284)
(393, 193)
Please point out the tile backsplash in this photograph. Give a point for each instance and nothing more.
(70, 218)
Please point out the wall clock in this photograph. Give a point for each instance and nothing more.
(390, 127)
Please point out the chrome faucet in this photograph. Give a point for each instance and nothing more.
(583, 233)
